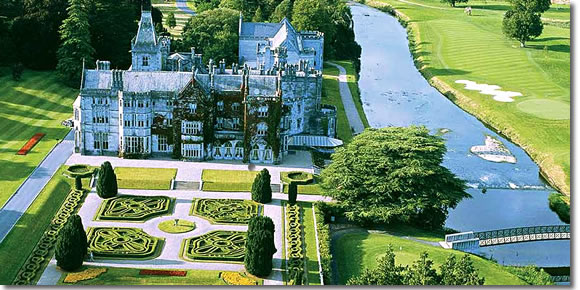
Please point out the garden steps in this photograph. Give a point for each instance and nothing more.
(187, 185)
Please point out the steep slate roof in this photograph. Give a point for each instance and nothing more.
(139, 81)
(146, 38)
(260, 29)
(287, 36)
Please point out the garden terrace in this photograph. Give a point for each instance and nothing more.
(227, 180)
(228, 246)
(225, 211)
(134, 208)
(122, 243)
(145, 178)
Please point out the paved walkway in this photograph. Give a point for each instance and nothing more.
(182, 5)
(170, 255)
(191, 171)
(349, 107)
(27, 192)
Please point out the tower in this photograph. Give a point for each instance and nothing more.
(146, 49)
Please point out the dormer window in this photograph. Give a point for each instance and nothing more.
(220, 105)
(262, 129)
(235, 106)
(145, 61)
(193, 108)
(263, 111)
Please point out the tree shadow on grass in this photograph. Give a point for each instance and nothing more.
(554, 47)
(343, 256)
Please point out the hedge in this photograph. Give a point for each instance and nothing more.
(298, 177)
(294, 236)
(323, 243)
(79, 170)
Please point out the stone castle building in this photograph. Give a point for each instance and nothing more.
(171, 104)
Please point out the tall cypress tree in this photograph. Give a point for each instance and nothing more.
(261, 190)
(260, 246)
(107, 181)
(76, 42)
(71, 244)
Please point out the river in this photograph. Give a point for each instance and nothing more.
(394, 93)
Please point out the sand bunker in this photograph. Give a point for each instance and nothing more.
(498, 95)
(494, 151)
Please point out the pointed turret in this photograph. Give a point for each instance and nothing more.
(145, 47)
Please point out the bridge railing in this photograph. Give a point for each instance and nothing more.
(511, 232)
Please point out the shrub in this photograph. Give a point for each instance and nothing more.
(292, 192)
(558, 205)
(107, 181)
(71, 244)
(260, 246)
(324, 241)
(261, 190)
(78, 183)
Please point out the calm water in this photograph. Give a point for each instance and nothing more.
(394, 93)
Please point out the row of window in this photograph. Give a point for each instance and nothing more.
(100, 101)
(101, 141)
(135, 144)
(191, 128)
(222, 123)
(135, 120)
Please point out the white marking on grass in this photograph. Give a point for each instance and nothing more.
(495, 91)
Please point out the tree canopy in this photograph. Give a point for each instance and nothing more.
(71, 244)
(523, 20)
(421, 272)
(260, 246)
(394, 174)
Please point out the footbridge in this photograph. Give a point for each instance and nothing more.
(473, 240)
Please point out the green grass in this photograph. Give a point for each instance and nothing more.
(19, 243)
(227, 180)
(145, 178)
(357, 251)
(126, 276)
(183, 226)
(36, 104)
(311, 263)
(331, 96)
(181, 18)
(313, 188)
(352, 79)
(454, 46)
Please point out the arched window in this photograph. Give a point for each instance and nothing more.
(217, 151)
(235, 106)
(229, 148)
(239, 150)
(262, 129)
(220, 105)
(263, 111)
(254, 153)
(268, 153)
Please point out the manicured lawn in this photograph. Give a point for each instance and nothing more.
(180, 17)
(356, 251)
(331, 96)
(310, 244)
(227, 180)
(19, 243)
(454, 46)
(145, 178)
(126, 276)
(36, 104)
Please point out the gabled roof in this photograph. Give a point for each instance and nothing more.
(266, 30)
(286, 36)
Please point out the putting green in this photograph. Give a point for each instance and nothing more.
(546, 109)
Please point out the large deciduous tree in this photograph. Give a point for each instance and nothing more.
(394, 174)
(76, 43)
(71, 244)
(170, 21)
(214, 33)
(107, 181)
(523, 21)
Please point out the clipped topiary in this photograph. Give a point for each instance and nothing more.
(78, 183)
(261, 190)
(292, 192)
(71, 244)
(259, 251)
(107, 181)
(261, 223)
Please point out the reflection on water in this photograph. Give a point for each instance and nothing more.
(394, 93)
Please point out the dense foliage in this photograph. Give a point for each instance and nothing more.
(558, 205)
(261, 223)
(523, 21)
(71, 244)
(76, 42)
(421, 272)
(532, 275)
(259, 248)
(292, 192)
(261, 190)
(394, 174)
(78, 183)
(107, 181)
(453, 2)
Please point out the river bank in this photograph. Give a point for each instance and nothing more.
(553, 172)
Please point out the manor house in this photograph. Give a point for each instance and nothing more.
(172, 104)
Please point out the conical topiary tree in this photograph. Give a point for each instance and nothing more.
(261, 190)
(107, 181)
(78, 183)
(260, 246)
(292, 192)
(71, 244)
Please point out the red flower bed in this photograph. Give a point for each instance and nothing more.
(30, 143)
(163, 272)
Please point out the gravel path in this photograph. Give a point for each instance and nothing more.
(349, 107)
(27, 192)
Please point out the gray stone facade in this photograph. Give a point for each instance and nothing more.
(171, 104)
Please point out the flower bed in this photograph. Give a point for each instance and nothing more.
(295, 262)
(236, 278)
(43, 250)
(163, 272)
(30, 144)
(88, 274)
